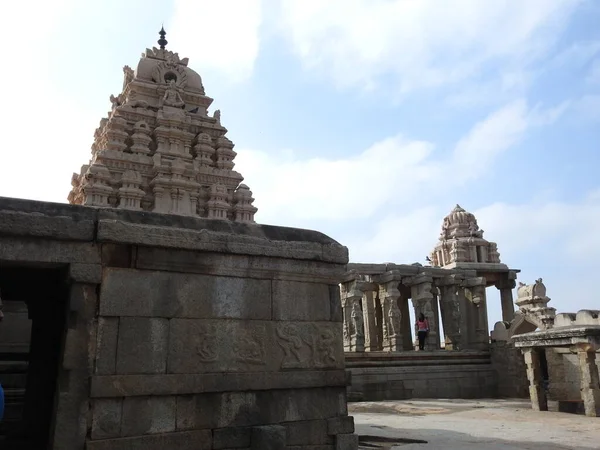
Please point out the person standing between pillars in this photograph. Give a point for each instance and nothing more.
(422, 327)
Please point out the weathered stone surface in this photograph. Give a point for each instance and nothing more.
(85, 273)
(245, 266)
(118, 231)
(48, 251)
(346, 442)
(340, 425)
(310, 447)
(190, 440)
(148, 415)
(106, 347)
(139, 293)
(106, 418)
(228, 438)
(117, 255)
(200, 346)
(142, 345)
(301, 301)
(70, 425)
(38, 224)
(268, 437)
(83, 301)
(242, 409)
(335, 304)
(80, 341)
(180, 384)
(310, 432)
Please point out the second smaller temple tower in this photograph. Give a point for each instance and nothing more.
(461, 244)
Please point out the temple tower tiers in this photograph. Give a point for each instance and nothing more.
(159, 150)
(461, 244)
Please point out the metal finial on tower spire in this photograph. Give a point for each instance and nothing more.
(162, 41)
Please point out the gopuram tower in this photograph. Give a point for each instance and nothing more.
(461, 244)
(159, 150)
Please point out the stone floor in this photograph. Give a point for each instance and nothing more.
(471, 424)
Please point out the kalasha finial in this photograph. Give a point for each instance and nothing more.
(162, 41)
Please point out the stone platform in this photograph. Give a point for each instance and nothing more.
(404, 375)
(177, 332)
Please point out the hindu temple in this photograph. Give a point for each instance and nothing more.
(152, 311)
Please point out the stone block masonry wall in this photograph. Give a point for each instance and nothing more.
(189, 333)
(379, 376)
(509, 364)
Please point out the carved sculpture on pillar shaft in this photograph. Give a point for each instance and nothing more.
(392, 317)
(354, 334)
(450, 311)
(423, 302)
(370, 320)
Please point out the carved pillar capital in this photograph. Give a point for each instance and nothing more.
(506, 284)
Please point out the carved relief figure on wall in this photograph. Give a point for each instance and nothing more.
(206, 348)
(172, 97)
(324, 355)
(249, 350)
(291, 343)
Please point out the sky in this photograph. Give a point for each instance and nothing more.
(368, 120)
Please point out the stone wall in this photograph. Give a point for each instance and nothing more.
(190, 333)
(509, 364)
(380, 376)
(564, 374)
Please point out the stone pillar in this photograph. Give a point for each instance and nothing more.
(539, 402)
(354, 332)
(590, 381)
(506, 287)
(370, 320)
(450, 311)
(423, 302)
(392, 317)
(477, 323)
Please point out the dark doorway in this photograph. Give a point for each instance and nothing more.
(30, 373)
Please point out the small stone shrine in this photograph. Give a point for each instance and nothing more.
(564, 352)
(159, 150)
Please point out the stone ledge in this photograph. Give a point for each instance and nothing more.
(143, 385)
(29, 218)
(188, 440)
(246, 266)
(118, 231)
(33, 224)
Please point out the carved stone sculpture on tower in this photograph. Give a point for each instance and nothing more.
(461, 243)
(159, 150)
(533, 303)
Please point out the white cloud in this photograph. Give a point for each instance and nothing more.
(218, 35)
(593, 76)
(587, 108)
(424, 43)
(385, 177)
